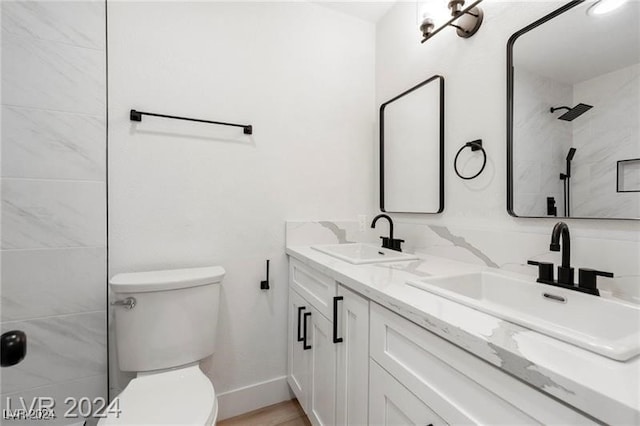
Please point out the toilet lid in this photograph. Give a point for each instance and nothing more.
(183, 396)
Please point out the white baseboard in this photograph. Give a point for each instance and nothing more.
(249, 398)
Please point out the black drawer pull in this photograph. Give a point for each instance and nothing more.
(336, 339)
(300, 309)
(304, 337)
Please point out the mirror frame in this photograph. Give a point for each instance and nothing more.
(510, 113)
(440, 80)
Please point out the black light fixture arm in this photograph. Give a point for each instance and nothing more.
(457, 27)
(135, 115)
(462, 29)
(466, 30)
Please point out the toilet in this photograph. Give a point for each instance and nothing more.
(165, 323)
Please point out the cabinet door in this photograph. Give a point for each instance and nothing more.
(391, 404)
(299, 359)
(322, 399)
(351, 321)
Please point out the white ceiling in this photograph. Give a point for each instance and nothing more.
(369, 10)
(575, 46)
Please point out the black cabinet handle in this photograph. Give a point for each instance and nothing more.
(300, 309)
(304, 337)
(336, 339)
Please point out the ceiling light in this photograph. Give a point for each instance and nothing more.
(605, 6)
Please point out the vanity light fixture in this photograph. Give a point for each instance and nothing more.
(433, 18)
(602, 7)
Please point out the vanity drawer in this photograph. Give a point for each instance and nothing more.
(447, 378)
(402, 348)
(318, 289)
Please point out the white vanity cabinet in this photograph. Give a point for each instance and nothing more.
(355, 362)
(328, 339)
(422, 378)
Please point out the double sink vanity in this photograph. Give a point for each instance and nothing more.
(377, 336)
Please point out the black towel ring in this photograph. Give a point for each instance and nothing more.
(475, 146)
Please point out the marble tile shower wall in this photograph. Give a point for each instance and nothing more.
(53, 225)
(615, 97)
(541, 143)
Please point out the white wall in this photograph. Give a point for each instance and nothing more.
(53, 200)
(475, 225)
(184, 194)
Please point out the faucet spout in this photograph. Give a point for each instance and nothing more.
(384, 216)
(561, 231)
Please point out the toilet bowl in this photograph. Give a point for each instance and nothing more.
(165, 322)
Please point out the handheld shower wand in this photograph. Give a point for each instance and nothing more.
(566, 178)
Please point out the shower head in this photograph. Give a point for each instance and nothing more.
(571, 153)
(572, 113)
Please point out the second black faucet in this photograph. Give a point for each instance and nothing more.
(388, 242)
(587, 276)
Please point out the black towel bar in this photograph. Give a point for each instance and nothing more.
(137, 116)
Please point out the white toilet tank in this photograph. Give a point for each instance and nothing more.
(173, 318)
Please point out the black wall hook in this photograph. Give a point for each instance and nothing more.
(264, 285)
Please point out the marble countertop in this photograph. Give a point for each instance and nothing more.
(601, 387)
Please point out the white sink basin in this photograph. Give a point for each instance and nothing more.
(359, 253)
(603, 326)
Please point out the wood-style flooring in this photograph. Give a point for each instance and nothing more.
(287, 413)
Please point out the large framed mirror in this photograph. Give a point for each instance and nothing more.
(412, 150)
(573, 113)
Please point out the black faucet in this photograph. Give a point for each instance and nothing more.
(587, 277)
(388, 242)
(565, 271)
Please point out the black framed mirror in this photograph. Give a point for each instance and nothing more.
(573, 113)
(412, 150)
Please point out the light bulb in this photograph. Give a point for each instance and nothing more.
(456, 7)
(436, 10)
